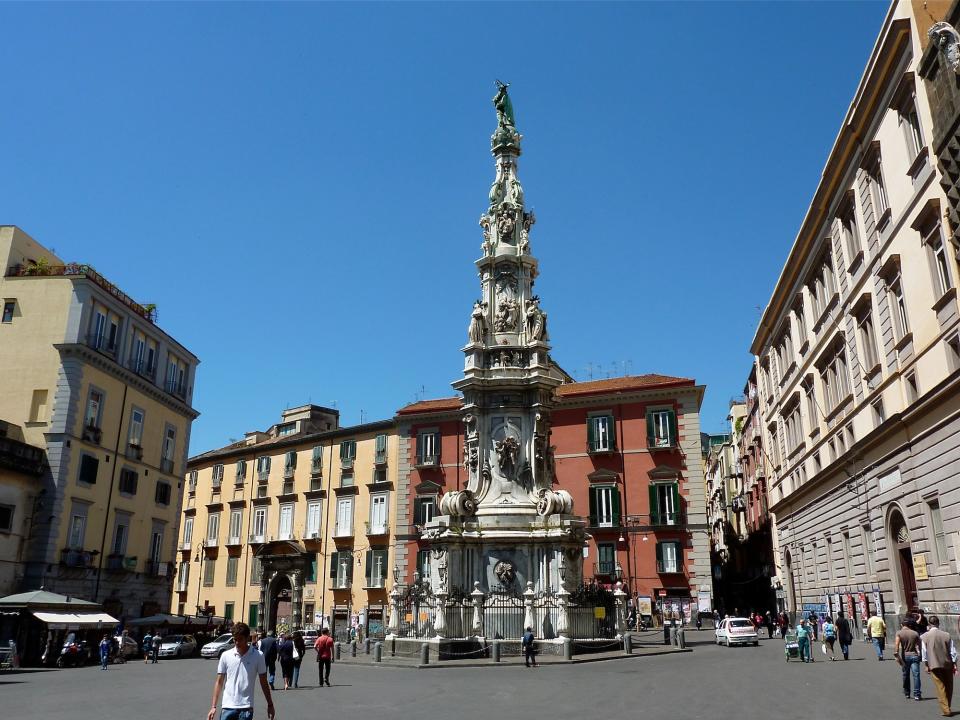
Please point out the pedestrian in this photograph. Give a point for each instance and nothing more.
(939, 655)
(830, 636)
(814, 624)
(783, 621)
(921, 624)
(877, 632)
(768, 621)
(804, 634)
(844, 635)
(157, 642)
(324, 648)
(906, 651)
(529, 655)
(299, 650)
(147, 646)
(105, 652)
(237, 672)
(285, 654)
(268, 648)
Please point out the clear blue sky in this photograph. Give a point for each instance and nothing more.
(298, 186)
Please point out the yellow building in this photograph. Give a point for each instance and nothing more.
(293, 524)
(106, 393)
(21, 467)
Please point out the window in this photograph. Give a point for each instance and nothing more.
(661, 428)
(91, 418)
(834, 375)
(798, 312)
(664, 503)
(38, 406)
(135, 437)
(169, 448)
(290, 460)
(128, 482)
(253, 613)
(286, 522)
(183, 577)
(866, 536)
(78, 526)
(828, 560)
(341, 569)
(606, 559)
(120, 532)
(287, 429)
(939, 538)
(176, 372)
(932, 232)
(311, 574)
(8, 308)
(601, 434)
(99, 329)
(89, 465)
(228, 607)
(213, 528)
(378, 513)
(187, 532)
(348, 453)
(953, 352)
(241, 472)
(879, 415)
(424, 508)
(380, 448)
(848, 228)
(192, 481)
(217, 476)
(313, 519)
(877, 188)
(669, 557)
(423, 564)
(428, 448)
(263, 468)
(604, 506)
(236, 526)
(822, 286)
(308, 608)
(375, 574)
(256, 571)
(910, 124)
(792, 426)
(316, 459)
(209, 571)
(346, 479)
(232, 563)
(868, 338)
(810, 393)
(162, 494)
(344, 525)
(911, 388)
(846, 560)
(259, 523)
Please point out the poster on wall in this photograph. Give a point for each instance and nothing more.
(862, 605)
(703, 603)
(837, 605)
(850, 611)
(878, 601)
(645, 605)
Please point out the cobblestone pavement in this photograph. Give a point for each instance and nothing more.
(710, 682)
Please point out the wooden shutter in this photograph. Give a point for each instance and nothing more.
(615, 504)
(611, 433)
(678, 554)
(654, 506)
(419, 447)
(368, 568)
(675, 490)
(659, 557)
(593, 506)
(591, 434)
(651, 431)
(381, 442)
(672, 422)
(334, 564)
(436, 446)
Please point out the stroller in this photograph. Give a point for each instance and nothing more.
(791, 648)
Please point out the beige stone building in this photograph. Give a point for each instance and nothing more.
(93, 381)
(21, 492)
(293, 524)
(859, 361)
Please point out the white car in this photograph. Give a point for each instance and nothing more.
(736, 631)
(216, 648)
(177, 646)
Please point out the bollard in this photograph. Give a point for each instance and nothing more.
(336, 651)
(567, 649)
(681, 638)
(628, 643)
(666, 632)
(496, 651)
(378, 652)
(393, 647)
(673, 635)
(425, 654)
(366, 646)
(353, 648)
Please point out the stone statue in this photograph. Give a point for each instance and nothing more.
(501, 101)
(507, 451)
(948, 40)
(554, 502)
(536, 320)
(506, 318)
(506, 223)
(478, 322)
(458, 503)
(505, 573)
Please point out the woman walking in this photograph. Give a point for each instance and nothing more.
(844, 635)
(285, 653)
(830, 636)
(299, 648)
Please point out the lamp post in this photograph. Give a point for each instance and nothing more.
(563, 619)
(200, 557)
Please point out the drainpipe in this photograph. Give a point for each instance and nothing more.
(324, 531)
(631, 553)
(113, 479)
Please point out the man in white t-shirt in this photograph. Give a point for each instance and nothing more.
(237, 671)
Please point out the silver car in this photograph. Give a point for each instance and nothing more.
(177, 646)
(216, 648)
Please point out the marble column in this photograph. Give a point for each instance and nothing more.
(477, 596)
(528, 619)
(620, 597)
(296, 599)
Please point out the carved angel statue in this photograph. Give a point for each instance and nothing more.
(536, 320)
(501, 101)
(507, 450)
(506, 223)
(948, 40)
(478, 322)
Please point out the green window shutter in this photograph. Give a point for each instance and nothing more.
(353, 448)
(654, 506)
(436, 445)
(253, 615)
(419, 447)
(678, 553)
(368, 568)
(593, 506)
(659, 557)
(672, 421)
(334, 564)
(591, 434)
(343, 449)
(651, 431)
(675, 491)
(611, 432)
(313, 568)
(615, 502)
(381, 442)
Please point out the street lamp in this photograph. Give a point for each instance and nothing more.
(200, 556)
(618, 571)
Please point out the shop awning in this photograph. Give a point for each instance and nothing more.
(75, 620)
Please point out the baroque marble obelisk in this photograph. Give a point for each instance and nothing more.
(511, 529)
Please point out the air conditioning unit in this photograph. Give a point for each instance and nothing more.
(315, 535)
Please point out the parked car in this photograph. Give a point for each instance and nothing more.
(215, 648)
(309, 637)
(128, 646)
(736, 631)
(177, 646)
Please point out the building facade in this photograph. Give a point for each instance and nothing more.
(21, 467)
(859, 362)
(292, 525)
(95, 383)
(628, 452)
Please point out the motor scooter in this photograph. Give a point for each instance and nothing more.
(74, 654)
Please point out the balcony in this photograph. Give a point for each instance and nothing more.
(285, 536)
(661, 443)
(166, 466)
(183, 582)
(668, 518)
(606, 568)
(288, 472)
(604, 521)
(316, 483)
(185, 545)
(601, 448)
(341, 583)
(101, 343)
(234, 540)
(316, 468)
(263, 475)
(175, 388)
(380, 458)
(92, 434)
(343, 532)
(157, 568)
(428, 461)
(118, 562)
(134, 452)
(142, 368)
(71, 557)
(375, 582)
(376, 528)
(312, 535)
(287, 488)
(217, 482)
(346, 463)
(255, 538)
(212, 541)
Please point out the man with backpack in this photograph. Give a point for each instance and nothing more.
(529, 656)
